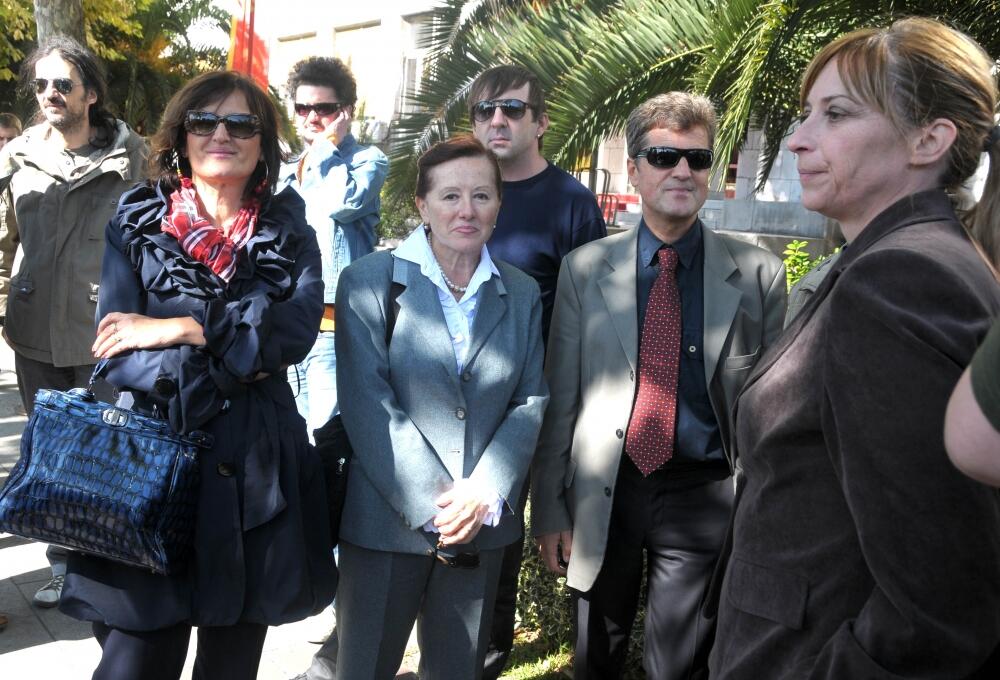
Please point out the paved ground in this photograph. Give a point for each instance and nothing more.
(42, 644)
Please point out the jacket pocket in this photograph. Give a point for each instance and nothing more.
(102, 209)
(773, 594)
(741, 362)
(22, 286)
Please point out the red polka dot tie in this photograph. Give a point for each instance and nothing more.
(650, 439)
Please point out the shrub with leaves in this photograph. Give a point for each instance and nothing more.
(798, 263)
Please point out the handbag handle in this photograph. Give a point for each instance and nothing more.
(98, 369)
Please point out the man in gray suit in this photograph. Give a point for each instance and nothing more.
(653, 333)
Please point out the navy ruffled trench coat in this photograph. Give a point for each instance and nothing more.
(262, 548)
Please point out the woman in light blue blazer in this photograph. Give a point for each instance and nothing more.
(442, 397)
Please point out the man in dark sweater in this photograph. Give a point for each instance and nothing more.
(544, 214)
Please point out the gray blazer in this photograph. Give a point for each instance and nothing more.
(414, 422)
(591, 368)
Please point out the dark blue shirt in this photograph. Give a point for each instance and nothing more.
(541, 219)
(698, 440)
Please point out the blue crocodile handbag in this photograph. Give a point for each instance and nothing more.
(105, 481)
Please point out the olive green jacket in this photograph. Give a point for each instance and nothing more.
(50, 303)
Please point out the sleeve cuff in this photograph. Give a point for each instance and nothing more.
(490, 498)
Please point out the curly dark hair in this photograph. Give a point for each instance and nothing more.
(324, 72)
(166, 145)
(92, 74)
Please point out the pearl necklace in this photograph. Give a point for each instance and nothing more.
(451, 286)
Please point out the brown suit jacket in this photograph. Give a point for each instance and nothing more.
(858, 551)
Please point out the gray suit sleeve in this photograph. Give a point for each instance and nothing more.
(504, 463)
(775, 303)
(388, 447)
(549, 511)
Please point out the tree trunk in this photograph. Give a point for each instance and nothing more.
(59, 17)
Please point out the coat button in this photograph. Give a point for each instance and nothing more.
(460, 413)
(165, 387)
(225, 469)
(466, 377)
(225, 407)
(619, 433)
(607, 491)
(631, 375)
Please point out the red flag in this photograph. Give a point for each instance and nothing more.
(247, 51)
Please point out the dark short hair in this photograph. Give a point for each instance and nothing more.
(459, 146)
(9, 120)
(166, 145)
(499, 79)
(324, 72)
(91, 72)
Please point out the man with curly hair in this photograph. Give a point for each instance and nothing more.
(339, 180)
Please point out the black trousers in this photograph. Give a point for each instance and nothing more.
(505, 608)
(224, 652)
(678, 528)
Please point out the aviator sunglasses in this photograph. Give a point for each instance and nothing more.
(513, 109)
(62, 85)
(238, 125)
(321, 108)
(669, 157)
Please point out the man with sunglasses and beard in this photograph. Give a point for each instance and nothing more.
(339, 180)
(61, 179)
(653, 334)
(545, 213)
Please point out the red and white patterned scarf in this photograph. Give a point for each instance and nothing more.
(200, 239)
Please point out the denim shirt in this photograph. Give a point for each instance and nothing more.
(340, 186)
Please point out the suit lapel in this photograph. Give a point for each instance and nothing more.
(492, 307)
(618, 289)
(420, 312)
(790, 333)
(721, 299)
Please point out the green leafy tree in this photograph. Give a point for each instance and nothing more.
(599, 58)
(145, 45)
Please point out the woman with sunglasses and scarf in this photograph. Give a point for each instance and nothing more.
(210, 288)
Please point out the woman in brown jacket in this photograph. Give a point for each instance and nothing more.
(858, 551)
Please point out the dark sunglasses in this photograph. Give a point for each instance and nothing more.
(238, 125)
(321, 108)
(669, 157)
(512, 108)
(62, 85)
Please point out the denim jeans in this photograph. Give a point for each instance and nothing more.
(314, 383)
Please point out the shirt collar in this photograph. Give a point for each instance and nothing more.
(416, 249)
(687, 246)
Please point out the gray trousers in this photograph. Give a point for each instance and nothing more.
(380, 596)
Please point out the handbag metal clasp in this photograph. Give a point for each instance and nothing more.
(115, 417)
